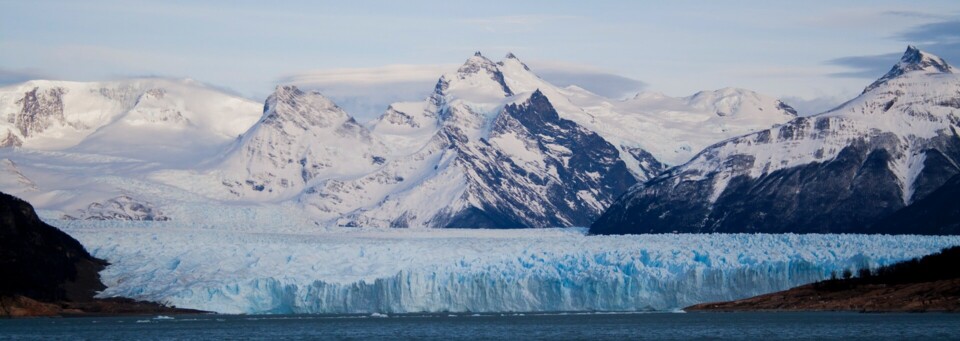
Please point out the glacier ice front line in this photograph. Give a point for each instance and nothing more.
(400, 271)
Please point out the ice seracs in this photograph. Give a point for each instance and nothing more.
(839, 171)
(408, 271)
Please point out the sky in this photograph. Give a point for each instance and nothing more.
(813, 54)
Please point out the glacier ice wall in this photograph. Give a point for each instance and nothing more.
(394, 271)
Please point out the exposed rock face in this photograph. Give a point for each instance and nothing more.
(121, 208)
(10, 140)
(39, 110)
(840, 171)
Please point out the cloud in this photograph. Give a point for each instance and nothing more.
(599, 82)
(941, 38)
(516, 22)
(366, 92)
(915, 14)
(816, 105)
(940, 32)
(871, 67)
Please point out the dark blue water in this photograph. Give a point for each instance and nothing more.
(751, 326)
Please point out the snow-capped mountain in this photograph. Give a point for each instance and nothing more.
(488, 156)
(493, 146)
(839, 171)
(301, 137)
(496, 146)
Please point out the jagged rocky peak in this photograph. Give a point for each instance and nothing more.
(512, 58)
(914, 60)
(307, 108)
(476, 64)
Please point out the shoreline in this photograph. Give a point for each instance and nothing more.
(927, 297)
(24, 307)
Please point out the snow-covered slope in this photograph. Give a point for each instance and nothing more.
(301, 138)
(396, 271)
(154, 119)
(86, 149)
(839, 171)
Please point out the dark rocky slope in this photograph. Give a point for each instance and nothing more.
(44, 271)
(936, 214)
(931, 283)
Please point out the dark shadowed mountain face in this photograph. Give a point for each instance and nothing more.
(937, 213)
(893, 149)
(585, 172)
(41, 262)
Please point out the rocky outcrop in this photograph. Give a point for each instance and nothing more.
(120, 208)
(41, 262)
(39, 110)
(45, 272)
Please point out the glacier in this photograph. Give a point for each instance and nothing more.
(339, 270)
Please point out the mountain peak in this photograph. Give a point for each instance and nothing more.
(511, 58)
(288, 89)
(475, 64)
(290, 102)
(914, 60)
(476, 69)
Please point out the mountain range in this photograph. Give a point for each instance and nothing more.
(493, 146)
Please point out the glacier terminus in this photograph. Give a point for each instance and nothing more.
(404, 271)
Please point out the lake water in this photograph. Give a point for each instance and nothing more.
(752, 326)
